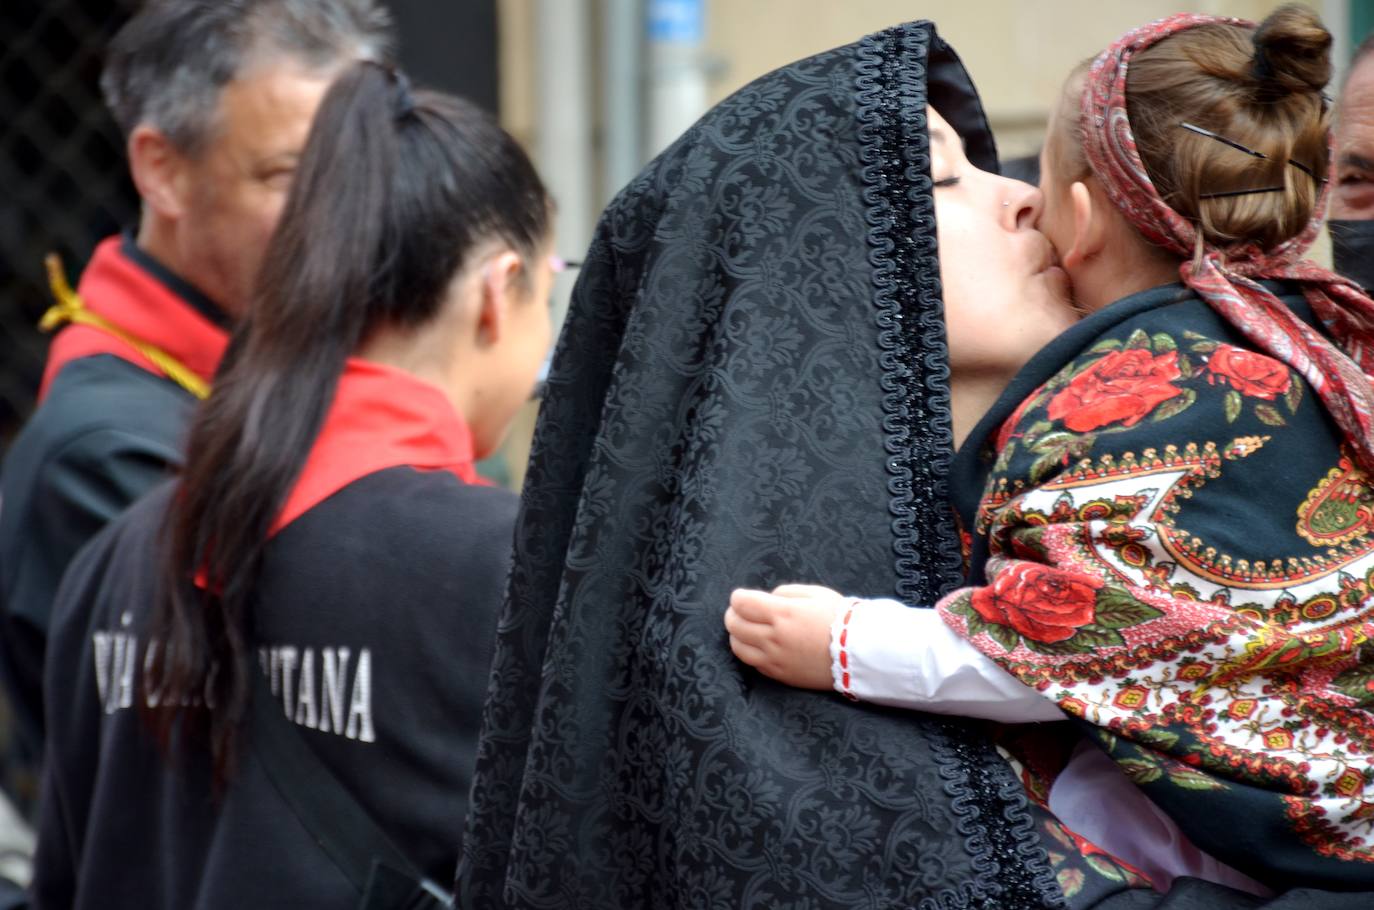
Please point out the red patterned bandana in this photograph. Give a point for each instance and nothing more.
(1228, 279)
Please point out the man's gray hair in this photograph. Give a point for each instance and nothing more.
(168, 63)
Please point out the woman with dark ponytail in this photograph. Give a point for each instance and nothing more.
(329, 549)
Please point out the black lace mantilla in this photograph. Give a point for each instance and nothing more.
(890, 70)
(1013, 869)
(714, 418)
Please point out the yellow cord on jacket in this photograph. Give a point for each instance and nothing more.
(71, 308)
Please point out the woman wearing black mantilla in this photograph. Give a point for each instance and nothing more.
(759, 382)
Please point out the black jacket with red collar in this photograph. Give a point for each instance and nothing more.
(373, 618)
(108, 428)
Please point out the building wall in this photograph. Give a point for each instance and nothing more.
(1018, 52)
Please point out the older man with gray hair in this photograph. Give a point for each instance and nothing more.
(1352, 197)
(215, 99)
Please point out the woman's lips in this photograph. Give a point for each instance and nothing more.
(1051, 258)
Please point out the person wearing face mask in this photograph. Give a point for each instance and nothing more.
(1351, 217)
(214, 98)
(313, 599)
(1172, 537)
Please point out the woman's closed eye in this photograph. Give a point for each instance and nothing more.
(945, 183)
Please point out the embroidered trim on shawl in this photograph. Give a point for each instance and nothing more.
(911, 333)
(1014, 873)
(1013, 868)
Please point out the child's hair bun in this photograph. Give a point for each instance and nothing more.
(1292, 53)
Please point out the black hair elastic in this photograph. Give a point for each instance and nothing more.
(1260, 66)
(405, 101)
(402, 102)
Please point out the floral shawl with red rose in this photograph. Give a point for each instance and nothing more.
(1181, 553)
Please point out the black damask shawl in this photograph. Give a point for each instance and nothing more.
(751, 388)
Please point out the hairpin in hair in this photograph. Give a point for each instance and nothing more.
(1192, 128)
(1259, 189)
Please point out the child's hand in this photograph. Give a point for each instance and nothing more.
(785, 634)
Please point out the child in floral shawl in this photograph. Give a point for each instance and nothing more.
(1175, 532)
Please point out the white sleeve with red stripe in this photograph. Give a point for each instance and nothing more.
(884, 652)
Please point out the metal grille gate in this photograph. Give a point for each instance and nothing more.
(63, 181)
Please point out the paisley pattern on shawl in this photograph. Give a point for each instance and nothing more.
(1182, 555)
(750, 388)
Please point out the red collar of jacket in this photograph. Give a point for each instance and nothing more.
(130, 289)
(381, 417)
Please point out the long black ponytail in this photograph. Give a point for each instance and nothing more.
(394, 190)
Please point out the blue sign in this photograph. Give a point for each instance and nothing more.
(677, 21)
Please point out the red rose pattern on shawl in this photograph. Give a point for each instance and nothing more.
(1039, 603)
(1120, 388)
(1139, 627)
(1248, 373)
(1249, 671)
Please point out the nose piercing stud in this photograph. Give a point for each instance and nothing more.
(1006, 202)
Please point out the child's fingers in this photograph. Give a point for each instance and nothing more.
(752, 633)
(792, 590)
(754, 606)
(753, 656)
